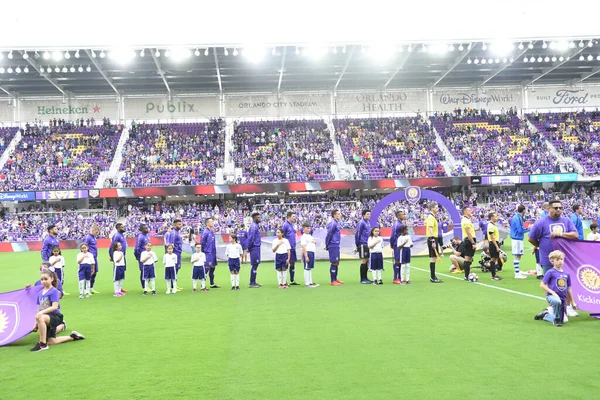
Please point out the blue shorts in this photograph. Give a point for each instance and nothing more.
(376, 261)
(198, 273)
(211, 260)
(281, 261)
(170, 272)
(406, 252)
(85, 272)
(293, 257)
(119, 273)
(148, 272)
(397, 253)
(234, 264)
(311, 260)
(334, 255)
(255, 256)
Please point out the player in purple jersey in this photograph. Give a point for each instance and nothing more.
(396, 233)
(140, 246)
(49, 242)
(548, 228)
(557, 285)
(332, 245)
(361, 237)
(209, 248)
(289, 232)
(254, 242)
(91, 242)
(119, 237)
(49, 317)
(174, 238)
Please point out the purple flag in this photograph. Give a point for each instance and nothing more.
(581, 258)
(17, 313)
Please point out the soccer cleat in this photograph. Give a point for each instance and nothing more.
(314, 285)
(117, 294)
(380, 282)
(257, 284)
(254, 285)
(280, 286)
(81, 296)
(375, 283)
(497, 278)
(77, 336)
(435, 280)
(154, 293)
(237, 288)
(179, 289)
(540, 277)
(396, 281)
(87, 295)
(39, 346)
(194, 290)
(145, 292)
(457, 271)
(294, 284)
(407, 282)
(168, 292)
(336, 283)
(541, 315)
(520, 276)
(94, 291)
(286, 285)
(215, 286)
(205, 290)
(124, 291)
(365, 282)
(66, 294)
(557, 322)
(466, 279)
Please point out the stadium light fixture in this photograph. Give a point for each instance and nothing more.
(9, 70)
(157, 53)
(142, 53)
(546, 59)
(42, 70)
(167, 53)
(409, 48)
(469, 47)
(572, 44)
(57, 69)
(469, 60)
(483, 46)
(273, 51)
(497, 61)
(65, 70)
(451, 47)
(196, 53)
(226, 52)
(206, 52)
(10, 55)
(67, 55)
(18, 70)
(424, 48)
(504, 60)
(88, 69)
(483, 61)
(540, 59)
(530, 46)
(461, 47)
(1, 70)
(590, 57)
(102, 54)
(581, 44)
(57, 55)
(554, 58)
(476, 61)
(545, 45)
(72, 69)
(490, 61)
(297, 50)
(26, 69)
(47, 55)
(590, 43)
(77, 54)
(25, 56)
(344, 49)
(521, 47)
(334, 50)
(525, 59)
(80, 69)
(581, 58)
(235, 52)
(561, 58)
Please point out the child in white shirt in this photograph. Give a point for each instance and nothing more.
(233, 252)
(405, 244)
(148, 258)
(198, 271)
(281, 248)
(309, 247)
(57, 261)
(118, 269)
(375, 244)
(170, 263)
(87, 266)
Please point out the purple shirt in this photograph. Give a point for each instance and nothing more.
(541, 232)
(45, 300)
(49, 242)
(289, 233)
(333, 234)
(558, 281)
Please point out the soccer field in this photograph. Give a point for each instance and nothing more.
(455, 340)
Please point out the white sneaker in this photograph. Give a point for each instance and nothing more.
(520, 276)
(169, 291)
(571, 312)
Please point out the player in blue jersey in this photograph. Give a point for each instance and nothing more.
(140, 245)
(361, 238)
(49, 242)
(254, 242)
(119, 237)
(332, 245)
(209, 248)
(92, 244)
(396, 233)
(289, 232)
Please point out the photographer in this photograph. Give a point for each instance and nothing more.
(457, 258)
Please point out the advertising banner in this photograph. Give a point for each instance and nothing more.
(62, 195)
(505, 180)
(70, 110)
(388, 102)
(309, 105)
(564, 97)
(17, 196)
(489, 99)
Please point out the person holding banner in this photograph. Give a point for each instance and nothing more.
(431, 225)
(49, 317)
(545, 229)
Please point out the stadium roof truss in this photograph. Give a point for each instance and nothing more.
(276, 69)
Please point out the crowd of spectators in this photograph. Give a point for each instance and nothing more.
(390, 147)
(283, 151)
(173, 154)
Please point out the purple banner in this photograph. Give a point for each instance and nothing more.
(581, 258)
(62, 195)
(504, 180)
(17, 314)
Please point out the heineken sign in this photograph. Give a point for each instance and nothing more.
(42, 110)
(71, 110)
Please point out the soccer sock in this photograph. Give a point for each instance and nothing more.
(284, 277)
(203, 283)
(292, 272)
(517, 263)
(237, 279)
(211, 275)
(493, 268)
(253, 273)
(467, 268)
(146, 285)
(333, 273)
(116, 285)
(81, 287)
(539, 270)
(87, 287)
(396, 271)
(379, 274)
(195, 283)
(374, 274)
(232, 278)
(307, 277)
(279, 280)
(153, 284)
(407, 272)
(310, 276)
(364, 268)
(432, 270)
(169, 285)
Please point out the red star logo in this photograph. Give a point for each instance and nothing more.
(96, 109)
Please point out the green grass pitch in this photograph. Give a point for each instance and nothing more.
(451, 341)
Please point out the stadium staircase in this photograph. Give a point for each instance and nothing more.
(563, 161)
(9, 149)
(115, 165)
(451, 163)
(341, 170)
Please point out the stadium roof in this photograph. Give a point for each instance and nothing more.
(291, 68)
